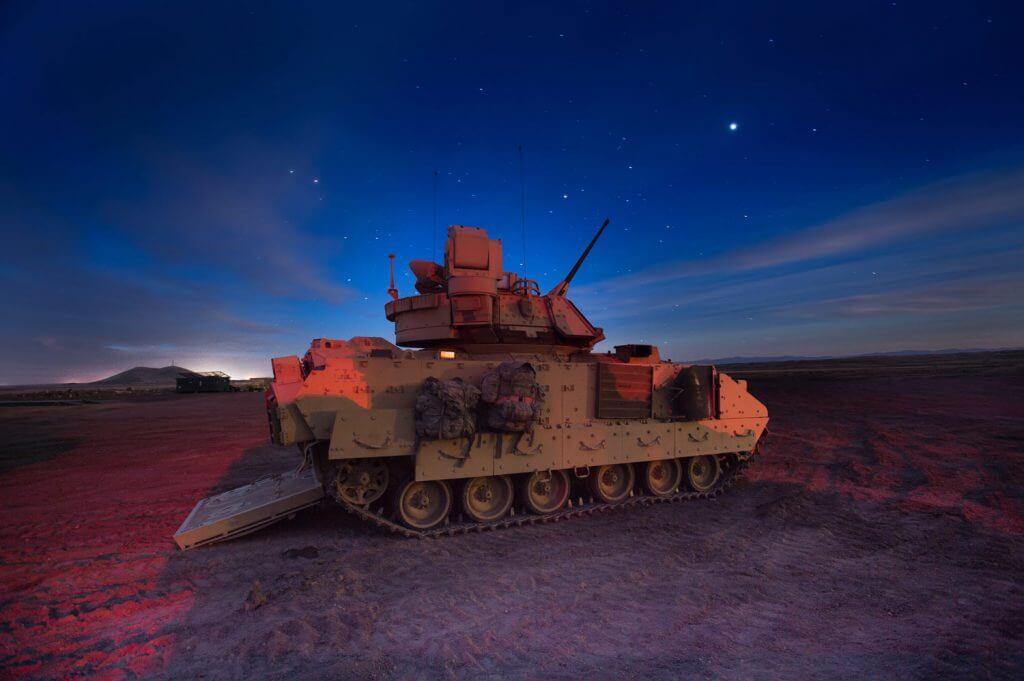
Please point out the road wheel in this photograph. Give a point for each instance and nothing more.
(487, 498)
(702, 472)
(423, 505)
(545, 492)
(662, 478)
(611, 483)
(360, 481)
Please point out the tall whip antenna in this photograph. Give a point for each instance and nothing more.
(433, 245)
(522, 203)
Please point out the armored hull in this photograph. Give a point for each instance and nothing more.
(504, 415)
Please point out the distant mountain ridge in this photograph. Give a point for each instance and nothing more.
(808, 358)
(148, 376)
(167, 376)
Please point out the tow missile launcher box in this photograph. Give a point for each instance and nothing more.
(491, 409)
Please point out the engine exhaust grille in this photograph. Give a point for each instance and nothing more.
(624, 391)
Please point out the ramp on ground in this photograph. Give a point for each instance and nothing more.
(247, 509)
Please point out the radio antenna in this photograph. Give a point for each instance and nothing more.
(522, 204)
(433, 245)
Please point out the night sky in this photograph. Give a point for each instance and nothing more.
(216, 184)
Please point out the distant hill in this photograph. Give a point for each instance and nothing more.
(750, 360)
(804, 358)
(148, 376)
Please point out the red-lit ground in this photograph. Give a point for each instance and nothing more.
(881, 533)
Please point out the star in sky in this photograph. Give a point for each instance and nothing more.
(734, 126)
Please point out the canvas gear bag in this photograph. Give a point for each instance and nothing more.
(512, 397)
(446, 409)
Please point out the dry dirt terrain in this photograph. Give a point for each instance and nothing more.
(879, 533)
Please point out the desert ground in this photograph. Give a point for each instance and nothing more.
(880, 533)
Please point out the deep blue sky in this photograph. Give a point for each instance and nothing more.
(216, 184)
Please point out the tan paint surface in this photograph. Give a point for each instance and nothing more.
(364, 407)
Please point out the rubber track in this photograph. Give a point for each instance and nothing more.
(449, 529)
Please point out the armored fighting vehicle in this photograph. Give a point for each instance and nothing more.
(492, 409)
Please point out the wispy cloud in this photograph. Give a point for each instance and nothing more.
(103, 324)
(966, 203)
(213, 270)
(971, 294)
(997, 256)
(937, 267)
(249, 223)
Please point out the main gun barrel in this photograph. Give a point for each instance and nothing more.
(563, 286)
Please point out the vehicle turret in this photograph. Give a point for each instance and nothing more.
(470, 303)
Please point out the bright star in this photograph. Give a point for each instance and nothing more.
(734, 127)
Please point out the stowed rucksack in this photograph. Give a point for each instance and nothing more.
(511, 396)
(446, 409)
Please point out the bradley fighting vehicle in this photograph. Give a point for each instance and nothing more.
(500, 413)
